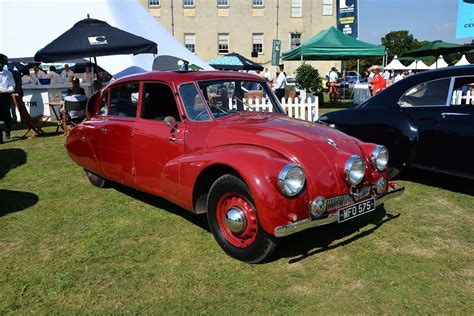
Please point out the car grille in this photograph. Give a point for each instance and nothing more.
(347, 199)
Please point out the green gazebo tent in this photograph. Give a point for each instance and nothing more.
(332, 44)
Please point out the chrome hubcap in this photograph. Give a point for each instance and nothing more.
(235, 220)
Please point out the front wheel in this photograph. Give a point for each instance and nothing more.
(233, 220)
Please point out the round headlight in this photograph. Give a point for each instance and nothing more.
(291, 180)
(379, 158)
(354, 170)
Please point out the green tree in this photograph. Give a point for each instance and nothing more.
(398, 43)
(307, 78)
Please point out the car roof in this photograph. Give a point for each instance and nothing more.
(187, 76)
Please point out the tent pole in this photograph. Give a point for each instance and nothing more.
(358, 71)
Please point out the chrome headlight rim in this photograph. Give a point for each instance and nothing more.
(374, 158)
(348, 168)
(282, 177)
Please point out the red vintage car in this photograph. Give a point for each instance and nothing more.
(191, 138)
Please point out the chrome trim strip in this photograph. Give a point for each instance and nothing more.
(304, 224)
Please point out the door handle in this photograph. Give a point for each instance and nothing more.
(454, 114)
(174, 139)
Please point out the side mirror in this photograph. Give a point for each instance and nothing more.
(170, 121)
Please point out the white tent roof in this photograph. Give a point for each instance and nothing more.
(441, 63)
(418, 65)
(395, 64)
(463, 61)
(29, 25)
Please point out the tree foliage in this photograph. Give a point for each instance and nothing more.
(307, 78)
(398, 43)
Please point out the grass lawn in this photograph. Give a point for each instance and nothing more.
(69, 247)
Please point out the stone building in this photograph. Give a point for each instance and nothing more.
(210, 28)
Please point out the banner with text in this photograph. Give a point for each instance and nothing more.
(465, 23)
(347, 17)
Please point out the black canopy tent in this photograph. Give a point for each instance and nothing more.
(94, 38)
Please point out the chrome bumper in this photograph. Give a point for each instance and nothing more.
(304, 224)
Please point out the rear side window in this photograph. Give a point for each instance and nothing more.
(158, 102)
(103, 108)
(463, 91)
(124, 100)
(430, 93)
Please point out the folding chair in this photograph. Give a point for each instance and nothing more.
(74, 112)
(34, 123)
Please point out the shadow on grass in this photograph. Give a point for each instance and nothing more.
(16, 201)
(197, 219)
(11, 158)
(443, 181)
(302, 245)
(13, 201)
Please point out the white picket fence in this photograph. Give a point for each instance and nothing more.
(458, 98)
(304, 109)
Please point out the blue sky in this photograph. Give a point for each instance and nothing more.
(425, 19)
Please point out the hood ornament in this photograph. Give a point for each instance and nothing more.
(331, 142)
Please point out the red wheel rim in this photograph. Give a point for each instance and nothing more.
(247, 236)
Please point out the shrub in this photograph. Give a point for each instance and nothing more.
(307, 78)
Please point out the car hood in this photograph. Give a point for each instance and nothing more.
(313, 146)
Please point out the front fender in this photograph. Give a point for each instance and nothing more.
(259, 168)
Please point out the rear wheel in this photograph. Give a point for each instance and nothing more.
(96, 180)
(233, 220)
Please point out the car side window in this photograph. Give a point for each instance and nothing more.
(430, 93)
(193, 103)
(103, 107)
(463, 91)
(124, 100)
(158, 102)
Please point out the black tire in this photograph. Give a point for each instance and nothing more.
(96, 180)
(261, 245)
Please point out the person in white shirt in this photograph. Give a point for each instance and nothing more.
(386, 76)
(87, 76)
(267, 75)
(37, 74)
(53, 75)
(280, 83)
(398, 77)
(7, 87)
(67, 73)
(333, 77)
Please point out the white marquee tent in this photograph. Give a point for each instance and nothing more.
(418, 65)
(28, 25)
(463, 61)
(440, 63)
(395, 64)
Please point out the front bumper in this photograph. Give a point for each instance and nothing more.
(304, 224)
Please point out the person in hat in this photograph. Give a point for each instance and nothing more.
(7, 87)
(378, 82)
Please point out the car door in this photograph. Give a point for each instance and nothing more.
(456, 129)
(158, 139)
(422, 105)
(116, 133)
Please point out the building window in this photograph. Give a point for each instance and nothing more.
(190, 42)
(223, 40)
(222, 3)
(188, 3)
(257, 3)
(296, 8)
(153, 3)
(327, 7)
(295, 40)
(257, 43)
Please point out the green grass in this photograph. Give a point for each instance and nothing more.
(69, 247)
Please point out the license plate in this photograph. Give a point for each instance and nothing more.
(354, 210)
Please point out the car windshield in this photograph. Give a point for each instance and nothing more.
(229, 96)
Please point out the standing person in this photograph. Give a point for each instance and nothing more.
(67, 73)
(37, 74)
(398, 77)
(53, 75)
(378, 83)
(279, 83)
(386, 76)
(7, 87)
(87, 76)
(332, 84)
(267, 75)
